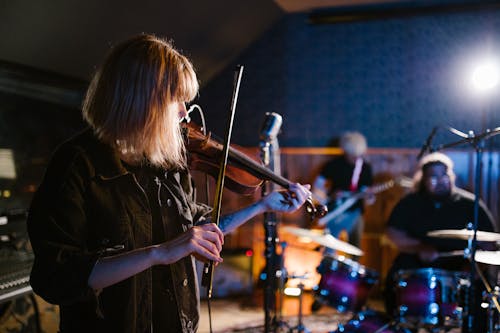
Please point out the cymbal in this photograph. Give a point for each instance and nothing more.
(326, 240)
(488, 257)
(482, 236)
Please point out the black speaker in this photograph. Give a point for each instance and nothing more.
(233, 277)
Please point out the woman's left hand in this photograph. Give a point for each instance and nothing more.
(287, 200)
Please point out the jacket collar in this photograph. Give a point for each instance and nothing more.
(107, 162)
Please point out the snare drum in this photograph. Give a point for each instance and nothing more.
(344, 284)
(430, 296)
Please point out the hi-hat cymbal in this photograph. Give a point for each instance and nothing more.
(326, 240)
(482, 236)
(488, 257)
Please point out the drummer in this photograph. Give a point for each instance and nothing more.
(435, 204)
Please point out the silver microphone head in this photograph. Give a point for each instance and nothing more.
(271, 126)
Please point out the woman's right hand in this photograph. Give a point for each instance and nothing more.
(203, 241)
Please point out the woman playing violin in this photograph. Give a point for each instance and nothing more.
(115, 225)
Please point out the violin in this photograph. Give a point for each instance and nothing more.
(244, 172)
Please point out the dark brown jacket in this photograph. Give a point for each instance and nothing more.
(88, 206)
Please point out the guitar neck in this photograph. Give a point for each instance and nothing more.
(382, 187)
(372, 190)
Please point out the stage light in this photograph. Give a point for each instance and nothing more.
(485, 76)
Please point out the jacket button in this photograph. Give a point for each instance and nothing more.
(169, 202)
(190, 325)
(185, 282)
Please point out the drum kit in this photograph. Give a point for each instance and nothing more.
(427, 298)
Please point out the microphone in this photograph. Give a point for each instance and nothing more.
(271, 126)
(427, 143)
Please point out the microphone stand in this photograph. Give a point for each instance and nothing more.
(477, 141)
(427, 143)
(270, 158)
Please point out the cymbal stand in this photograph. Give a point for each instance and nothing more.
(300, 328)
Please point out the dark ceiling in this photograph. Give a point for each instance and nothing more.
(70, 37)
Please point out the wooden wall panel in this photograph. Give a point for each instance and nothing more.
(303, 164)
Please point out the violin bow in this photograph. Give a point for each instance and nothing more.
(208, 269)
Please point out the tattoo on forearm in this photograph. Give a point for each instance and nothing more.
(226, 222)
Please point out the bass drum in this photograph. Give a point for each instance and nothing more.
(345, 284)
(370, 322)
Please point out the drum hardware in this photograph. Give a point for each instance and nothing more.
(491, 301)
(276, 282)
(282, 277)
(486, 257)
(490, 296)
(325, 240)
(300, 328)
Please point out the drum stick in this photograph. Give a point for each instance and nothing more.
(451, 254)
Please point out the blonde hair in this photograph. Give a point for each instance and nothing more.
(429, 160)
(130, 100)
(353, 143)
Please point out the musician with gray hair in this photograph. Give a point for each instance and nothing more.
(341, 178)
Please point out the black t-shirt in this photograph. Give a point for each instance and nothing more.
(417, 214)
(338, 172)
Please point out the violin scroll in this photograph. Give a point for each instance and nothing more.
(315, 210)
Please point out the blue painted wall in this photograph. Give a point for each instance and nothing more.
(393, 80)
